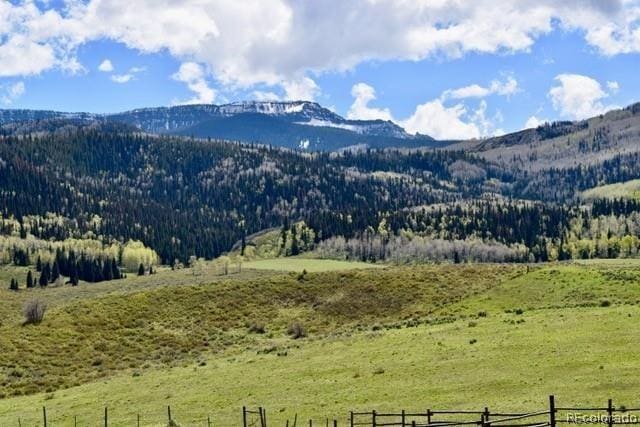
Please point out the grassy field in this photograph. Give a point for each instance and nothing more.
(454, 336)
(309, 264)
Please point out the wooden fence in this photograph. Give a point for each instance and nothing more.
(106, 418)
(550, 416)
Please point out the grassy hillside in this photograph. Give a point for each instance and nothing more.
(492, 335)
(97, 334)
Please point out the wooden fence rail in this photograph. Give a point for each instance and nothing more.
(551, 416)
(548, 417)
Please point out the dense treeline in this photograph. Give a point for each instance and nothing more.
(495, 231)
(185, 197)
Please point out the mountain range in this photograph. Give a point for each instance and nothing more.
(297, 125)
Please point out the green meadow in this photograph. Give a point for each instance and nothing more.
(411, 337)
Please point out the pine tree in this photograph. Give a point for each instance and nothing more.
(55, 272)
(14, 285)
(30, 283)
(295, 249)
(141, 270)
(39, 265)
(151, 270)
(45, 275)
(115, 271)
(75, 279)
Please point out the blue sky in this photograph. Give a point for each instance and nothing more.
(443, 68)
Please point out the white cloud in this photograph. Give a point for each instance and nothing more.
(281, 41)
(613, 86)
(121, 78)
(534, 122)
(10, 93)
(433, 118)
(194, 76)
(128, 76)
(360, 110)
(106, 66)
(578, 97)
(20, 56)
(303, 89)
(507, 88)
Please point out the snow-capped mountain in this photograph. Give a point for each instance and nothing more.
(296, 124)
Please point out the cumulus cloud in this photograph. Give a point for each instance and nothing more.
(534, 122)
(360, 109)
(20, 56)
(303, 89)
(11, 92)
(194, 76)
(435, 119)
(282, 40)
(106, 66)
(507, 88)
(578, 97)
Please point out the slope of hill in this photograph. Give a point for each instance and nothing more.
(564, 144)
(447, 336)
(183, 197)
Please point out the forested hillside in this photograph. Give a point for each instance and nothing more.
(185, 197)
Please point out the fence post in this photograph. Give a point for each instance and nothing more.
(310, 423)
(75, 421)
(169, 413)
(264, 416)
(351, 419)
(261, 417)
(295, 420)
(208, 421)
(486, 417)
(373, 418)
(403, 418)
(610, 413)
(19, 422)
(44, 415)
(244, 416)
(138, 420)
(552, 411)
(106, 417)
(429, 413)
(335, 423)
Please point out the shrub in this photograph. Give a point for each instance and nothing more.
(482, 314)
(34, 311)
(519, 311)
(605, 303)
(297, 331)
(257, 328)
